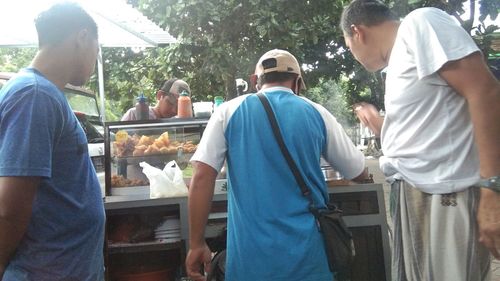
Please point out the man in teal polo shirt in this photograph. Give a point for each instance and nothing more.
(271, 233)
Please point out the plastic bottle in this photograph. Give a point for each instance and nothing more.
(184, 107)
(218, 100)
(142, 108)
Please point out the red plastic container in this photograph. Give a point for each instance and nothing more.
(184, 106)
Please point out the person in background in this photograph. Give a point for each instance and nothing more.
(271, 234)
(241, 87)
(51, 211)
(439, 137)
(166, 101)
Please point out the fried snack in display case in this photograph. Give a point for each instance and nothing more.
(156, 142)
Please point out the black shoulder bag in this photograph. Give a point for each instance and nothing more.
(339, 245)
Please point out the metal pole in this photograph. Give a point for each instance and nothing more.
(100, 78)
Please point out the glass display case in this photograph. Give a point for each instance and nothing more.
(155, 142)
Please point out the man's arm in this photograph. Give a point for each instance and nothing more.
(128, 116)
(471, 78)
(16, 200)
(201, 191)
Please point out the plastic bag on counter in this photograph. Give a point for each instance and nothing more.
(168, 182)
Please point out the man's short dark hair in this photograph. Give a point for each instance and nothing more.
(365, 12)
(275, 77)
(60, 21)
(167, 85)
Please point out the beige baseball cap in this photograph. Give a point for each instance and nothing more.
(278, 61)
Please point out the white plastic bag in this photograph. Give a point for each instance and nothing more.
(168, 182)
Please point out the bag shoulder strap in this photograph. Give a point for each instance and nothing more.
(284, 150)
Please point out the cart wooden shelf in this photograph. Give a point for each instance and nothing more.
(364, 213)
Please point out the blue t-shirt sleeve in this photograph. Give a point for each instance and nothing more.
(30, 125)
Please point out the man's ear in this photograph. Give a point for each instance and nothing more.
(159, 94)
(82, 38)
(253, 82)
(298, 85)
(358, 33)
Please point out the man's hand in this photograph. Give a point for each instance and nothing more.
(16, 200)
(364, 177)
(197, 257)
(488, 217)
(368, 115)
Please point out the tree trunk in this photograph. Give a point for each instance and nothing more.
(230, 87)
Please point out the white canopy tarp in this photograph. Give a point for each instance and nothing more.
(119, 25)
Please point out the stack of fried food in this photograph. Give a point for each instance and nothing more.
(125, 147)
(120, 181)
(147, 145)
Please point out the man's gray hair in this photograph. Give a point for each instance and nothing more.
(365, 12)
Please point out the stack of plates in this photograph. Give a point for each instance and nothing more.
(169, 230)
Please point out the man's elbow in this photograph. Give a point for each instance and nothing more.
(203, 174)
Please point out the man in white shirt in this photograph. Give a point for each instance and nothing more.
(441, 123)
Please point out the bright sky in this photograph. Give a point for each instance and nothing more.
(34, 7)
(119, 23)
(487, 21)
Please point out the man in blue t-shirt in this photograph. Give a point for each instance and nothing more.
(271, 234)
(51, 211)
